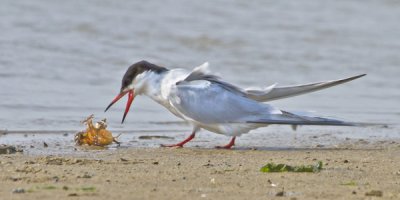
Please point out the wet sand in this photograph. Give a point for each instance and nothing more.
(351, 171)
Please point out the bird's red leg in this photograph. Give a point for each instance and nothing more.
(180, 144)
(228, 146)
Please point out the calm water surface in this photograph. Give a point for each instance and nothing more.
(63, 60)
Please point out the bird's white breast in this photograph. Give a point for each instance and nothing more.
(170, 79)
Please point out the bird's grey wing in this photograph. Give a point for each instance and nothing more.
(210, 102)
(205, 98)
(274, 93)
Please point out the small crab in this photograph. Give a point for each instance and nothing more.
(96, 135)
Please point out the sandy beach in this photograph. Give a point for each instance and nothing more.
(349, 172)
(62, 61)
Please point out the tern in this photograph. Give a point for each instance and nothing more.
(207, 102)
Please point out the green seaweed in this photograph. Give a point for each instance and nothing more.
(88, 189)
(376, 193)
(351, 183)
(272, 167)
(30, 190)
(49, 187)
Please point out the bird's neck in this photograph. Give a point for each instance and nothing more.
(149, 84)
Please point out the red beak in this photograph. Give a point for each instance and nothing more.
(131, 96)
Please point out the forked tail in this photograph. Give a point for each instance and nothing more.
(295, 119)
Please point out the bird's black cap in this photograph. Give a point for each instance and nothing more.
(138, 68)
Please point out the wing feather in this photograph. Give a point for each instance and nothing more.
(273, 92)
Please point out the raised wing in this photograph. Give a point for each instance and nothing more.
(274, 93)
(205, 98)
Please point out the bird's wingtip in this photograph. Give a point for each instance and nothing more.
(354, 77)
(361, 75)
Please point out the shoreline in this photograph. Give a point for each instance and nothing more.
(350, 172)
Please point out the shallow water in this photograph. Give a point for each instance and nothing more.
(63, 60)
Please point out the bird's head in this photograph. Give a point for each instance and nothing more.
(133, 82)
